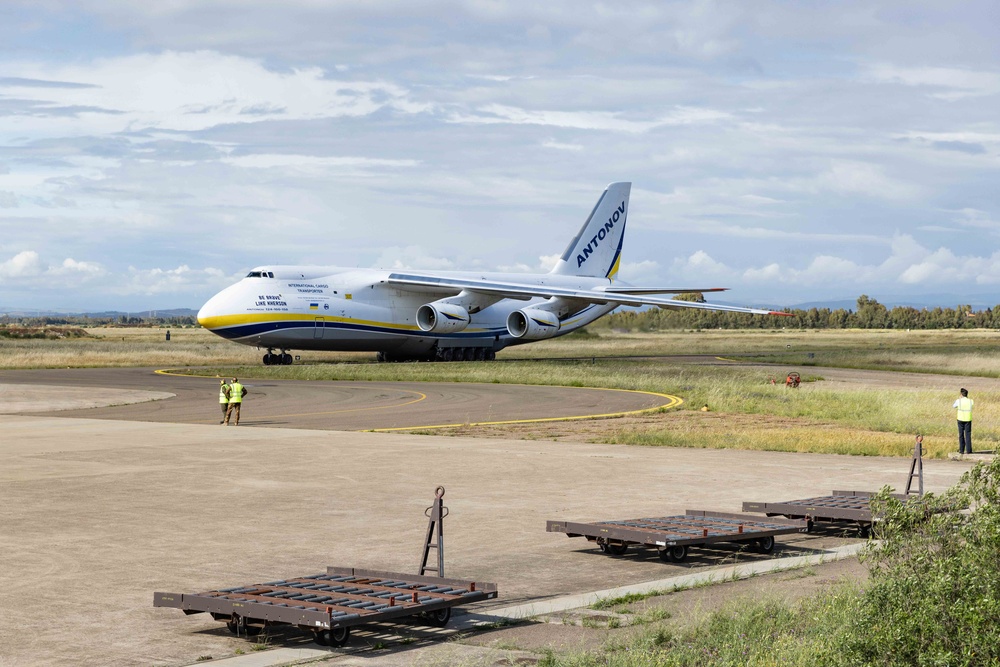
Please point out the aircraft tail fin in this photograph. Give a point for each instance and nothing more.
(596, 249)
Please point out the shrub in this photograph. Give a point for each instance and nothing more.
(934, 594)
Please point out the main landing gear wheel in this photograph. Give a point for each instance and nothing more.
(335, 638)
(282, 359)
(674, 554)
(463, 354)
(439, 617)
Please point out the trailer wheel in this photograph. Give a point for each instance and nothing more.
(338, 636)
(612, 549)
(864, 530)
(439, 617)
(322, 637)
(617, 549)
(674, 554)
(765, 545)
(233, 624)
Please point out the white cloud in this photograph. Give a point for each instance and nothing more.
(854, 177)
(562, 146)
(700, 266)
(608, 121)
(975, 219)
(8, 199)
(646, 272)
(951, 84)
(181, 281)
(410, 257)
(185, 91)
(25, 264)
(28, 266)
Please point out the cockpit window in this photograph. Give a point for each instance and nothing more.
(270, 275)
(255, 274)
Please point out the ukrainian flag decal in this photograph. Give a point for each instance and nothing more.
(313, 306)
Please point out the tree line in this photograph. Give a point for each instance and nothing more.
(117, 320)
(869, 314)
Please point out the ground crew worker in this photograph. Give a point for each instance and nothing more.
(236, 394)
(223, 398)
(964, 407)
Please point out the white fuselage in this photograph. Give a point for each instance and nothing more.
(325, 308)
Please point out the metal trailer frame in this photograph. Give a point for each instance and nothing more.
(673, 535)
(851, 506)
(330, 604)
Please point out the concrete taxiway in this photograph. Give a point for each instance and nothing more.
(135, 394)
(98, 513)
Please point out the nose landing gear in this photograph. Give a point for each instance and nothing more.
(272, 359)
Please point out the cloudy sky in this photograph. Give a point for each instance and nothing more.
(152, 153)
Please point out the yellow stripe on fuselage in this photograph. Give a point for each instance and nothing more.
(225, 321)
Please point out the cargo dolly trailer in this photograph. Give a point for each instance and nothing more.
(846, 506)
(330, 604)
(672, 536)
(840, 506)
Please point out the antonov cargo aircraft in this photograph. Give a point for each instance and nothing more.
(438, 315)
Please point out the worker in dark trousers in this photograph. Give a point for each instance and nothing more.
(236, 394)
(964, 407)
(223, 399)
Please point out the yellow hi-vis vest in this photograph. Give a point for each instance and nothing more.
(965, 409)
(222, 393)
(236, 393)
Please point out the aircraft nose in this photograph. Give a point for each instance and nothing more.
(210, 312)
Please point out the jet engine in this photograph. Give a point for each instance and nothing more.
(442, 317)
(532, 324)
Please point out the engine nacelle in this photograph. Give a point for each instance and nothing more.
(439, 317)
(532, 324)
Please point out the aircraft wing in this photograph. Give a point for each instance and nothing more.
(524, 292)
(662, 290)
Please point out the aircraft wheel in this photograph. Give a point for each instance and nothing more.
(380, 357)
(267, 359)
(491, 355)
(286, 359)
(448, 354)
(480, 354)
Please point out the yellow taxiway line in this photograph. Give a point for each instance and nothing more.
(672, 402)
